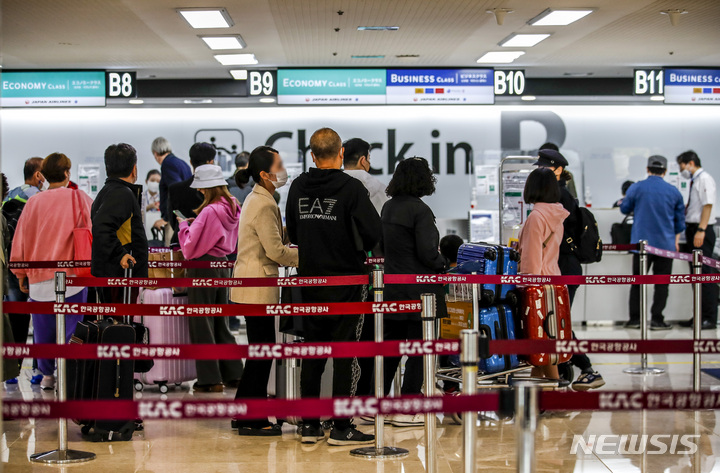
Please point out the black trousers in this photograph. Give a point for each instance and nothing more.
(256, 375)
(709, 291)
(660, 293)
(330, 328)
(413, 378)
(366, 383)
(20, 323)
(570, 266)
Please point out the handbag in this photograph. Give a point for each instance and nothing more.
(620, 233)
(82, 237)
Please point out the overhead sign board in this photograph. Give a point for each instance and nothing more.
(692, 86)
(331, 86)
(443, 86)
(53, 89)
(509, 82)
(262, 83)
(121, 85)
(648, 82)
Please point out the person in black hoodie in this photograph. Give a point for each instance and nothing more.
(330, 217)
(117, 224)
(412, 246)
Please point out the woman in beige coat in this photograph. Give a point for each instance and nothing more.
(261, 250)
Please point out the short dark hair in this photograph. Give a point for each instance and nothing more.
(688, 157)
(541, 186)
(261, 159)
(151, 173)
(449, 246)
(32, 166)
(120, 159)
(412, 177)
(5, 186)
(549, 145)
(625, 186)
(325, 143)
(656, 171)
(55, 166)
(354, 149)
(201, 153)
(241, 159)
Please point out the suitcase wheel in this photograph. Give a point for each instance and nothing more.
(139, 386)
(566, 372)
(164, 388)
(177, 385)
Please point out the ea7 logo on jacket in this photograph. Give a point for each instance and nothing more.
(278, 310)
(316, 209)
(160, 410)
(104, 351)
(355, 407)
(172, 310)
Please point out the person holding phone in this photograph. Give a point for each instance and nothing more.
(211, 236)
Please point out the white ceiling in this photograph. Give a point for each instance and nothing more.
(150, 37)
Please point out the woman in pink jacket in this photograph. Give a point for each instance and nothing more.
(542, 234)
(211, 237)
(45, 233)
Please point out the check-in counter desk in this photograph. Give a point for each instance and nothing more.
(609, 303)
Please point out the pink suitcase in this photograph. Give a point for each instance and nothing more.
(166, 331)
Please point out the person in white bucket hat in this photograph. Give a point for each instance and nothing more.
(211, 237)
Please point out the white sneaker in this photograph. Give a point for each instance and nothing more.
(48, 383)
(370, 420)
(408, 420)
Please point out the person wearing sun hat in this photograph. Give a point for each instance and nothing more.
(211, 236)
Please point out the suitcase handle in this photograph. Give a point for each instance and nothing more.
(546, 324)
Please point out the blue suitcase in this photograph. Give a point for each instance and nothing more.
(483, 258)
(497, 323)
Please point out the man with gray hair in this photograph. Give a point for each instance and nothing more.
(172, 170)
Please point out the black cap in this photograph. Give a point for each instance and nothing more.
(657, 161)
(550, 158)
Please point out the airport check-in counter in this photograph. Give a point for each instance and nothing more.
(597, 304)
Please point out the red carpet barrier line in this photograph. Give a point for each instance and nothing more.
(352, 407)
(219, 310)
(351, 349)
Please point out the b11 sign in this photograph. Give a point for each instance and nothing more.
(692, 86)
(53, 89)
(440, 86)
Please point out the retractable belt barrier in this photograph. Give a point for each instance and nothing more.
(353, 407)
(271, 351)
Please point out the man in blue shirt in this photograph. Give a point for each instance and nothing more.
(172, 170)
(659, 214)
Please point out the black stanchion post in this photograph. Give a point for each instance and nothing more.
(428, 321)
(62, 455)
(379, 451)
(643, 368)
(526, 412)
(697, 316)
(469, 357)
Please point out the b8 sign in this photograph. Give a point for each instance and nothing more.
(120, 85)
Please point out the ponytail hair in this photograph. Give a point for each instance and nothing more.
(261, 159)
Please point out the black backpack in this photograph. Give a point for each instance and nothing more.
(11, 210)
(587, 245)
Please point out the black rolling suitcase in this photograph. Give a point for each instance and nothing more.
(106, 379)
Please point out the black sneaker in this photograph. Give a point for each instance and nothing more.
(632, 324)
(311, 434)
(660, 325)
(686, 323)
(349, 436)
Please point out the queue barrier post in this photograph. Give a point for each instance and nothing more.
(526, 414)
(469, 357)
(643, 368)
(697, 316)
(62, 455)
(428, 322)
(379, 451)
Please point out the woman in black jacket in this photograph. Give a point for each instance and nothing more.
(411, 244)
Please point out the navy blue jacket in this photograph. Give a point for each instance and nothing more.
(172, 170)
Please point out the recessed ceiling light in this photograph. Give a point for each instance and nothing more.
(378, 28)
(563, 17)
(236, 59)
(521, 40)
(197, 101)
(657, 98)
(500, 57)
(224, 42)
(267, 100)
(136, 101)
(207, 17)
(239, 74)
(377, 56)
(528, 98)
(578, 74)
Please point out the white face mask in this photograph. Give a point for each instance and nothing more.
(686, 174)
(282, 178)
(153, 186)
(45, 185)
